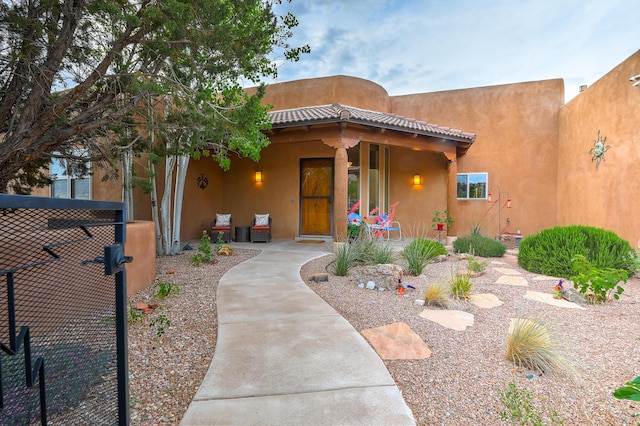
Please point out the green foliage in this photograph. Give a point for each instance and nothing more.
(345, 257)
(519, 409)
(135, 315)
(188, 56)
(447, 219)
(204, 254)
(375, 252)
(551, 251)
(476, 230)
(475, 265)
(597, 284)
(461, 285)
(360, 251)
(356, 230)
(437, 294)
(479, 245)
(534, 345)
(161, 323)
(631, 390)
(164, 289)
(419, 252)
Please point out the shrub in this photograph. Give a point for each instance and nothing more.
(551, 251)
(532, 344)
(476, 265)
(479, 245)
(519, 408)
(205, 254)
(345, 257)
(164, 289)
(375, 252)
(419, 252)
(437, 294)
(595, 283)
(461, 285)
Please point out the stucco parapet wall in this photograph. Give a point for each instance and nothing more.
(344, 89)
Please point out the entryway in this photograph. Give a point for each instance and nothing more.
(316, 196)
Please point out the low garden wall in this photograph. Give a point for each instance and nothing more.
(141, 244)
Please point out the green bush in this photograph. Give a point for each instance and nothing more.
(595, 283)
(419, 252)
(479, 246)
(551, 250)
(375, 252)
(461, 285)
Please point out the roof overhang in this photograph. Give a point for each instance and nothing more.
(323, 121)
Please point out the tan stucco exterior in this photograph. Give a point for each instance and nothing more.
(607, 196)
(532, 146)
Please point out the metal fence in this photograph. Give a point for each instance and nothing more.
(62, 312)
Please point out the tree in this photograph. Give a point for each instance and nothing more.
(83, 74)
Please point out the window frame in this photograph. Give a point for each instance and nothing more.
(70, 181)
(468, 185)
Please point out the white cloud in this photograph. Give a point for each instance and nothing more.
(429, 45)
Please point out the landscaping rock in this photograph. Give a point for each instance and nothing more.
(572, 295)
(320, 277)
(384, 276)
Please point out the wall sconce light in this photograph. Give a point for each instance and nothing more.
(416, 180)
(489, 198)
(258, 176)
(508, 203)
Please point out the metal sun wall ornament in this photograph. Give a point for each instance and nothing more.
(598, 150)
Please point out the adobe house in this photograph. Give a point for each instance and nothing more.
(340, 139)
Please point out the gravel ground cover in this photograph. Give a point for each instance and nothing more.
(459, 384)
(165, 371)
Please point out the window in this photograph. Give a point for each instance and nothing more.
(472, 186)
(69, 185)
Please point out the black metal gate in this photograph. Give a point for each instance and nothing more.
(63, 314)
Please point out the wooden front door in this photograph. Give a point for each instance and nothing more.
(316, 196)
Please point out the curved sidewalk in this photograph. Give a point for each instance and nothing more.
(285, 357)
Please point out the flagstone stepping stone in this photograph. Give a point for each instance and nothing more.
(485, 300)
(507, 271)
(545, 278)
(512, 280)
(497, 262)
(455, 320)
(549, 300)
(397, 341)
(511, 258)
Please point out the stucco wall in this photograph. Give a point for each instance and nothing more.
(606, 197)
(352, 91)
(279, 192)
(517, 145)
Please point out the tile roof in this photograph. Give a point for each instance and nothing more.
(335, 113)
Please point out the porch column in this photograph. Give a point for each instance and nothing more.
(340, 203)
(452, 192)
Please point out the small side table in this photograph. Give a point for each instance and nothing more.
(242, 234)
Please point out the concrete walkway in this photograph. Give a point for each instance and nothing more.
(285, 357)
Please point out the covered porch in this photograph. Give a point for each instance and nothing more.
(374, 158)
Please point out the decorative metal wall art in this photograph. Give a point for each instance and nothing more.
(203, 182)
(598, 150)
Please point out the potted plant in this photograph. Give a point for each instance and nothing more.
(439, 222)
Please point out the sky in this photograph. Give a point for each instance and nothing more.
(416, 46)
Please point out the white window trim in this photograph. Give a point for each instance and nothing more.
(486, 181)
(69, 179)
